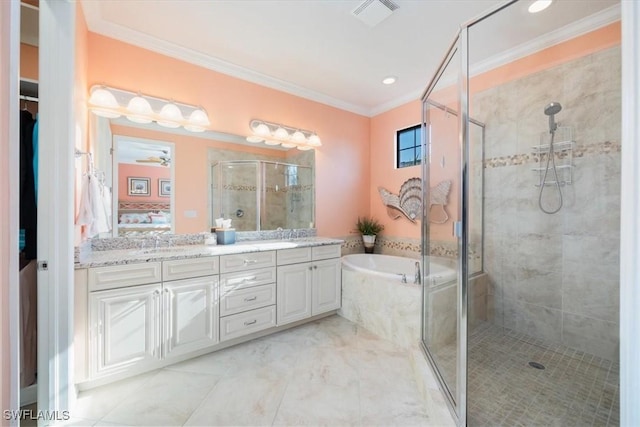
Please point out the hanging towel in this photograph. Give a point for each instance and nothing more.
(35, 158)
(100, 214)
(93, 212)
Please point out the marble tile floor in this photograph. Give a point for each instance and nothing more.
(329, 372)
(574, 389)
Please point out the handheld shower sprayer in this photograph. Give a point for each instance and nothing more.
(551, 110)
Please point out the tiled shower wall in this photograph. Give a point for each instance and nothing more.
(555, 277)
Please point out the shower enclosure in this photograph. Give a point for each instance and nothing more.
(523, 116)
(262, 195)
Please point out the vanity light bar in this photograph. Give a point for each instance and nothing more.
(112, 103)
(277, 134)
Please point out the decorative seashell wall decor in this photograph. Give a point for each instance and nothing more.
(408, 202)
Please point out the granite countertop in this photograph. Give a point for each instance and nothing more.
(130, 256)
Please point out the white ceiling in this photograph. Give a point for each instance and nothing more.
(132, 151)
(318, 50)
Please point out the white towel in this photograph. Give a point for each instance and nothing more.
(94, 208)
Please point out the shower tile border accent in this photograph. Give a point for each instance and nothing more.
(579, 151)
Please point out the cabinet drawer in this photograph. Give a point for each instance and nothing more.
(293, 256)
(187, 268)
(247, 279)
(237, 301)
(248, 261)
(248, 322)
(325, 252)
(120, 276)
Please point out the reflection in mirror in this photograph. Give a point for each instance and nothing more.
(262, 195)
(144, 180)
(192, 180)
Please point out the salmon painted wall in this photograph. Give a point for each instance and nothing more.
(342, 165)
(154, 173)
(384, 126)
(80, 104)
(29, 61)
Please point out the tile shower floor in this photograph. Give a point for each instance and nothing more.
(328, 372)
(574, 389)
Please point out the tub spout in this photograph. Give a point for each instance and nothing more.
(418, 278)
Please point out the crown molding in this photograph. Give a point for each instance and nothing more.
(98, 25)
(414, 95)
(568, 32)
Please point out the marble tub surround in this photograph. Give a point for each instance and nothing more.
(352, 245)
(555, 277)
(167, 253)
(328, 372)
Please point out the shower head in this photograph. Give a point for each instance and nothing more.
(551, 110)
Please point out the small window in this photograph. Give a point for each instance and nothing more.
(408, 146)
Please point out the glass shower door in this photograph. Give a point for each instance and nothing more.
(237, 187)
(441, 331)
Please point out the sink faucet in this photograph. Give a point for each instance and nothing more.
(418, 278)
(280, 233)
(157, 242)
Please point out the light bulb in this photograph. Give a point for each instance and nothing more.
(288, 145)
(199, 118)
(314, 141)
(262, 130)
(298, 137)
(140, 110)
(539, 6)
(281, 133)
(102, 103)
(170, 115)
(272, 142)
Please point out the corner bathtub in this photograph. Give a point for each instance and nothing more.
(375, 296)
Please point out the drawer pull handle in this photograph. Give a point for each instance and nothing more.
(250, 299)
(250, 261)
(250, 323)
(249, 279)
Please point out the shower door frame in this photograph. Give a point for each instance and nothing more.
(457, 404)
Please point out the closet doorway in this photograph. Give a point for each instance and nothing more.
(28, 234)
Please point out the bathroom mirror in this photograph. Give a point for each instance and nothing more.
(143, 200)
(190, 204)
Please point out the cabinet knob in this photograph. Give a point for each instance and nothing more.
(315, 267)
(310, 268)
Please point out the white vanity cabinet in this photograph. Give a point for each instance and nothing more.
(247, 294)
(132, 318)
(133, 324)
(306, 289)
(124, 328)
(190, 315)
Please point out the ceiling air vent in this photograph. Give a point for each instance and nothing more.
(373, 12)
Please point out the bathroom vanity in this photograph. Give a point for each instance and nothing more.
(139, 310)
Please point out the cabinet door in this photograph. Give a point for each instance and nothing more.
(293, 293)
(190, 315)
(125, 328)
(327, 286)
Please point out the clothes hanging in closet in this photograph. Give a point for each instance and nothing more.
(28, 211)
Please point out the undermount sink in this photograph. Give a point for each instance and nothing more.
(161, 250)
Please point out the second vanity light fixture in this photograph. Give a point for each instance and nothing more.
(277, 134)
(112, 103)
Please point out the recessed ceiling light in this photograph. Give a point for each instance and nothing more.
(389, 80)
(539, 5)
